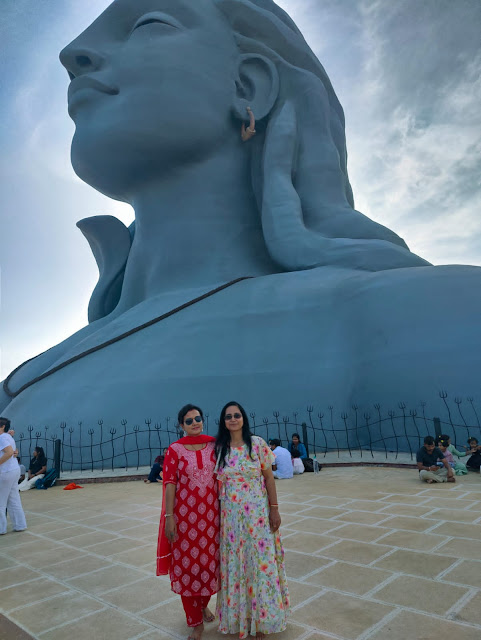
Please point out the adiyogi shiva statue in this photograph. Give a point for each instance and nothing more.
(247, 272)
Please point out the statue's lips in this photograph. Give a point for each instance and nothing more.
(85, 85)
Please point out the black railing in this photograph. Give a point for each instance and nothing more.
(391, 432)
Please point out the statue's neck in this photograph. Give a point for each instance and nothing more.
(196, 227)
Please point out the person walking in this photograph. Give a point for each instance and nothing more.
(9, 475)
(253, 598)
(188, 543)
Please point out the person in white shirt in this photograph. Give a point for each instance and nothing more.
(9, 475)
(283, 467)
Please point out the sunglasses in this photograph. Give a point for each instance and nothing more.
(236, 416)
(189, 421)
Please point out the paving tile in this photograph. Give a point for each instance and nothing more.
(409, 523)
(146, 593)
(6, 563)
(78, 566)
(169, 616)
(413, 540)
(313, 525)
(349, 577)
(293, 507)
(14, 540)
(363, 517)
(351, 551)
(321, 512)
(299, 592)
(24, 552)
(113, 546)
(37, 618)
(45, 528)
(453, 503)
(462, 548)
(137, 556)
(427, 565)
(409, 499)
(67, 532)
(459, 530)
(361, 532)
(142, 531)
(329, 501)
(367, 505)
(413, 626)
(308, 542)
(16, 575)
(105, 579)
(343, 615)
(99, 626)
(468, 572)
(409, 510)
(318, 636)
(454, 515)
(431, 596)
(46, 559)
(35, 589)
(298, 564)
(88, 539)
(10, 631)
(471, 612)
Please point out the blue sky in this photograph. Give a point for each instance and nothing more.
(407, 72)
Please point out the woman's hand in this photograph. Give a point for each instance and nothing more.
(274, 519)
(170, 529)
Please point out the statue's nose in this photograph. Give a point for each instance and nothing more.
(79, 60)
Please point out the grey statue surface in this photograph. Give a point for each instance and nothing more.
(336, 309)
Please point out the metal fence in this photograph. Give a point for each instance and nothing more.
(391, 432)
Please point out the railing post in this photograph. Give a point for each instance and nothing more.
(304, 437)
(437, 426)
(56, 456)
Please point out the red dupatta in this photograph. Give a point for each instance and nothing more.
(164, 553)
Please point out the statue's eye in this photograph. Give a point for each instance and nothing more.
(156, 18)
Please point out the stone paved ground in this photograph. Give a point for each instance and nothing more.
(371, 553)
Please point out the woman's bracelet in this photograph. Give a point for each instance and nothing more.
(169, 515)
(273, 505)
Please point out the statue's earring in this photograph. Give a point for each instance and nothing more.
(248, 132)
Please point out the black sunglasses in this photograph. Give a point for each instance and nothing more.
(189, 421)
(229, 416)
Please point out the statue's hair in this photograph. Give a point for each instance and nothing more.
(299, 159)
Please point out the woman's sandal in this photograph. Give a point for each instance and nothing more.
(208, 615)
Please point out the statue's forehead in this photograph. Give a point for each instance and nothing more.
(189, 11)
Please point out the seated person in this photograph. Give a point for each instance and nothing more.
(296, 445)
(449, 450)
(282, 469)
(427, 458)
(36, 469)
(297, 464)
(155, 474)
(23, 471)
(474, 462)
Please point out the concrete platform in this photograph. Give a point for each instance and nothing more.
(372, 553)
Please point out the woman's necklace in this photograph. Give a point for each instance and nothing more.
(102, 345)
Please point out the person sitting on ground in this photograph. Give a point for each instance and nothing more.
(297, 464)
(23, 471)
(155, 474)
(442, 446)
(282, 470)
(474, 462)
(296, 445)
(427, 457)
(459, 467)
(36, 469)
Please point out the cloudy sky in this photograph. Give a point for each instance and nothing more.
(407, 72)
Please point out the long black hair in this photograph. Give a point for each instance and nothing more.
(222, 443)
(41, 457)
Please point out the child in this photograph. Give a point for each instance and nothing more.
(474, 461)
(297, 464)
(459, 467)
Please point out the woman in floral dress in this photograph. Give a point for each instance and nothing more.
(188, 546)
(253, 598)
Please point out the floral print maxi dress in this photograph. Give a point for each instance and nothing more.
(253, 594)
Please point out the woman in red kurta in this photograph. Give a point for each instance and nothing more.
(188, 547)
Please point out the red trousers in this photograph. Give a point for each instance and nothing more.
(193, 607)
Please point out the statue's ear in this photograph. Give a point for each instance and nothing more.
(257, 86)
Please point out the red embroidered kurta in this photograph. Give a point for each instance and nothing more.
(194, 564)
